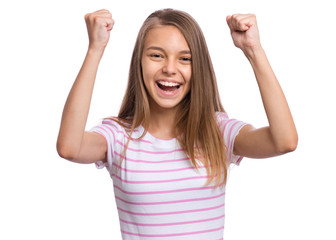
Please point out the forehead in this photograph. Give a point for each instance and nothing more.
(166, 36)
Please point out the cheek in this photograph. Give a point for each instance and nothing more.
(145, 74)
(147, 70)
(146, 83)
(148, 75)
(187, 72)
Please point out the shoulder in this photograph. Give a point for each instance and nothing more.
(223, 119)
(113, 122)
(227, 124)
(221, 116)
(110, 128)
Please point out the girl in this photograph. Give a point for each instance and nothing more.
(169, 149)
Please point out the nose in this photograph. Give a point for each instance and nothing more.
(169, 67)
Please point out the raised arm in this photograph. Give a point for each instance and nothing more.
(280, 136)
(73, 142)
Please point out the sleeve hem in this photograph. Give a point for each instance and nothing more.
(109, 153)
(236, 159)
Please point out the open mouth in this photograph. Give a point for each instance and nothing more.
(168, 86)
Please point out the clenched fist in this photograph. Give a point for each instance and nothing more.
(244, 31)
(99, 24)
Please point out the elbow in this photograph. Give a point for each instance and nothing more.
(64, 151)
(287, 146)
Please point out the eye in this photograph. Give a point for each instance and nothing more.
(185, 59)
(155, 55)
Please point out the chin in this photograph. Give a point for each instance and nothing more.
(164, 104)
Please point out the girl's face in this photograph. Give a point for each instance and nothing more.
(166, 67)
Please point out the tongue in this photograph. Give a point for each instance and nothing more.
(167, 88)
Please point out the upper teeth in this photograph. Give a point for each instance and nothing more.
(168, 84)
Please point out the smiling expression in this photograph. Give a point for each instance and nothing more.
(166, 67)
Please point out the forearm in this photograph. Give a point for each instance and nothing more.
(77, 106)
(281, 124)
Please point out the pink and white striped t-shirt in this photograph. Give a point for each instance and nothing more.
(158, 193)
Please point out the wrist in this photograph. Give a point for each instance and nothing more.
(94, 55)
(96, 50)
(253, 52)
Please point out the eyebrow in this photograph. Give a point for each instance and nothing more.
(161, 49)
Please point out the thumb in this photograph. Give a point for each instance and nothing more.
(109, 24)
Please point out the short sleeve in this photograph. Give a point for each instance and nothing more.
(229, 129)
(109, 129)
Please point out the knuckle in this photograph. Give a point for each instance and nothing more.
(96, 19)
(91, 17)
(235, 16)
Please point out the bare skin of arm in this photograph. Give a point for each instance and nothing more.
(74, 143)
(280, 136)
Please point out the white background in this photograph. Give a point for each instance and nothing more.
(42, 46)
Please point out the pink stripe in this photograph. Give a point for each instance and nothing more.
(137, 140)
(155, 171)
(170, 202)
(219, 117)
(223, 114)
(229, 135)
(170, 224)
(150, 152)
(171, 213)
(112, 122)
(160, 181)
(137, 150)
(107, 124)
(163, 192)
(239, 159)
(227, 122)
(146, 161)
(107, 131)
(105, 134)
(173, 234)
(122, 132)
(99, 164)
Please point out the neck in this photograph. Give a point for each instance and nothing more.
(162, 122)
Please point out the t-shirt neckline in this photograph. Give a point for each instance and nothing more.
(166, 143)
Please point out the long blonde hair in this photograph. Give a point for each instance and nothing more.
(196, 125)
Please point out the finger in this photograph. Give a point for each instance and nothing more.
(229, 22)
(109, 24)
(102, 11)
(234, 23)
(238, 23)
(248, 20)
(99, 13)
(106, 14)
(106, 22)
(102, 18)
(107, 17)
